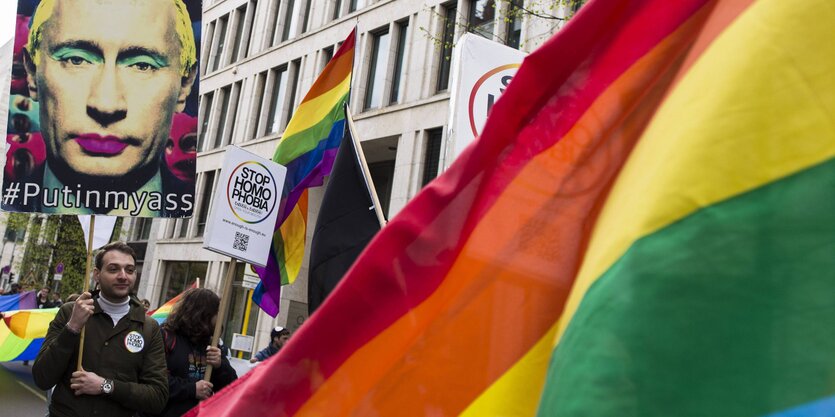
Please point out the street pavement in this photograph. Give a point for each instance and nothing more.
(19, 397)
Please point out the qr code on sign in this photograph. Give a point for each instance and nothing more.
(241, 241)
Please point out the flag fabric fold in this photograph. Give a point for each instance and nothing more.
(307, 148)
(345, 224)
(645, 227)
(22, 333)
(21, 301)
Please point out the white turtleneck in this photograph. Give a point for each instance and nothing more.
(115, 310)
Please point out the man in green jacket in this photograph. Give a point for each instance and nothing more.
(124, 368)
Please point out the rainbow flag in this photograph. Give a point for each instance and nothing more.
(22, 333)
(162, 312)
(307, 148)
(21, 301)
(645, 227)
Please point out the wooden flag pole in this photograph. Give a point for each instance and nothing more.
(86, 282)
(224, 305)
(365, 171)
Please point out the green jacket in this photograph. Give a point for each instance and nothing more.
(140, 381)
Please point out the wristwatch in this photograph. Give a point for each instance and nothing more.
(107, 386)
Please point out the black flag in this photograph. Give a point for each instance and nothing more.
(346, 223)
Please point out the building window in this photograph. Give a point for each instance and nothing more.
(205, 201)
(142, 228)
(337, 9)
(255, 114)
(327, 55)
(225, 96)
(290, 20)
(292, 86)
(277, 94)
(514, 24)
(432, 157)
(237, 310)
(182, 227)
(221, 41)
(446, 48)
(482, 17)
(377, 69)
(238, 41)
(208, 100)
(233, 112)
(306, 17)
(181, 275)
(402, 28)
(355, 5)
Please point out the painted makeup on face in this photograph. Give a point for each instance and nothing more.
(109, 82)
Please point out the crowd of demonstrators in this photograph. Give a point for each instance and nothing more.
(14, 288)
(187, 334)
(124, 357)
(278, 338)
(45, 300)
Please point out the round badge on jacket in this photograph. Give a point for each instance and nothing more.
(134, 342)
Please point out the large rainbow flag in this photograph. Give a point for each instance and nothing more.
(22, 333)
(307, 148)
(21, 301)
(645, 228)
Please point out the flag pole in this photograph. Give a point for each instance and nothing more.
(364, 166)
(224, 305)
(86, 282)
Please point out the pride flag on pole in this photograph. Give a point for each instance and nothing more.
(307, 148)
(646, 227)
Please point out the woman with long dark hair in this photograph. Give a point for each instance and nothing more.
(187, 334)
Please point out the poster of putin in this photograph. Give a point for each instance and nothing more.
(103, 108)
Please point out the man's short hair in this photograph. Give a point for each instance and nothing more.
(118, 246)
(185, 34)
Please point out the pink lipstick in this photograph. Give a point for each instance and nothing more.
(100, 145)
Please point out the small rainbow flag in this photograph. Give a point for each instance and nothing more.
(646, 227)
(307, 148)
(22, 333)
(161, 314)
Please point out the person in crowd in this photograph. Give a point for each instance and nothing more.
(146, 304)
(123, 363)
(187, 334)
(278, 338)
(56, 300)
(42, 299)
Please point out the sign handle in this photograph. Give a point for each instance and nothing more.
(86, 282)
(224, 305)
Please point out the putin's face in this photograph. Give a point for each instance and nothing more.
(108, 80)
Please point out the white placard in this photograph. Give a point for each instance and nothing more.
(245, 206)
(251, 279)
(57, 277)
(242, 342)
(481, 71)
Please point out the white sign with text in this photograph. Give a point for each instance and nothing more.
(245, 206)
(482, 70)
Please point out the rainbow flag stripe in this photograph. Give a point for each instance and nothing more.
(23, 301)
(307, 148)
(645, 227)
(22, 333)
(161, 314)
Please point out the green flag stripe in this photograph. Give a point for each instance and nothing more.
(728, 312)
(303, 142)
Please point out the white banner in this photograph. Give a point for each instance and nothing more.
(245, 206)
(481, 71)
